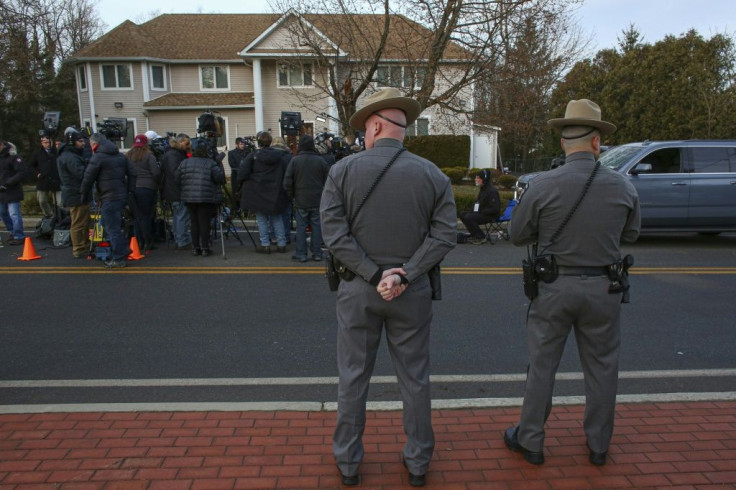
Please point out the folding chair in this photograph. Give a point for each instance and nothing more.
(500, 226)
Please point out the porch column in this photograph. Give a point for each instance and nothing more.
(258, 94)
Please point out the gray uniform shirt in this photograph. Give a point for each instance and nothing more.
(409, 218)
(608, 214)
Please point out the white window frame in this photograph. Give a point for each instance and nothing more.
(214, 79)
(82, 78)
(417, 80)
(413, 126)
(117, 81)
(163, 74)
(288, 75)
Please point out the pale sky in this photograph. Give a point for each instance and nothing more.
(604, 20)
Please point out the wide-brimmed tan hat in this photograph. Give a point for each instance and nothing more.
(388, 98)
(583, 112)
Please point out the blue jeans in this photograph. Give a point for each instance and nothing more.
(181, 223)
(286, 218)
(10, 213)
(304, 217)
(276, 223)
(112, 220)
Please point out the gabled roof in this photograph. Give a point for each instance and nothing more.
(222, 37)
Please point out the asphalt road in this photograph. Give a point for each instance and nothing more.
(178, 328)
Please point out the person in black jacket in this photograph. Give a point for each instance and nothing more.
(178, 151)
(115, 178)
(42, 165)
(148, 176)
(236, 159)
(487, 208)
(199, 179)
(261, 185)
(12, 173)
(304, 180)
(71, 172)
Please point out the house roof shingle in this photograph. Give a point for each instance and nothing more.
(201, 100)
(220, 37)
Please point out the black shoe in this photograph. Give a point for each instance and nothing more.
(317, 258)
(598, 459)
(512, 442)
(15, 241)
(206, 252)
(300, 259)
(196, 251)
(414, 480)
(349, 481)
(281, 250)
(263, 249)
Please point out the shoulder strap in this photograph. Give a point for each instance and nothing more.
(556, 234)
(375, 183)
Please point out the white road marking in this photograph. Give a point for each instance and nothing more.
(332, 380)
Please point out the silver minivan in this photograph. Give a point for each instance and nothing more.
(683, 185)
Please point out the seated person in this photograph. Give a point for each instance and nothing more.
(486, 209)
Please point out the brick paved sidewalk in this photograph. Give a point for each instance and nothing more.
(689, 445)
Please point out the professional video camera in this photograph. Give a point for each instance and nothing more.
(291, 123)
(250, 142)
(50, 124)
(160, 145)
(210, 125)
(113, 128)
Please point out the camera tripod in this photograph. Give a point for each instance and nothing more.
(225, 222)
(167, 211)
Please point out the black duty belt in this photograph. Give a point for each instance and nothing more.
(564, 270)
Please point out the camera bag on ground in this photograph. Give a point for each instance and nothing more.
(45, 227)
(62, 238)
(334, 269)
(543, 267)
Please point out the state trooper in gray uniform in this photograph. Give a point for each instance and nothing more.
(582, 294)
(407, 225)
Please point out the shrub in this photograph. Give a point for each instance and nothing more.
(507, 181)
(455, 174)
(444, 150)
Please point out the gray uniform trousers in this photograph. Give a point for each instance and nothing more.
(361, 317)
(582, 303)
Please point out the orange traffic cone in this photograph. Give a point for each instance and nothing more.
(136, 252)
(29, 251)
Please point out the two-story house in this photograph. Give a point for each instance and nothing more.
(162, 74)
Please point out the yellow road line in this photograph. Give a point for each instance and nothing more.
(496, 271)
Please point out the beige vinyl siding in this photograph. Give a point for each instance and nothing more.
(280, 39)
(241, 78)
(184, 78)
(276, 99)
(132, 100)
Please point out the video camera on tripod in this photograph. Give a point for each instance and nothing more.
(114, 128)
(50, 124)
(209, 128)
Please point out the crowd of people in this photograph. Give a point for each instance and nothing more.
(185, 180)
